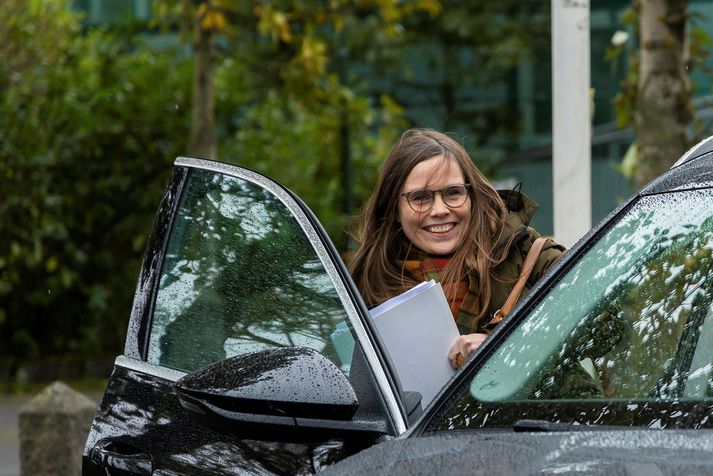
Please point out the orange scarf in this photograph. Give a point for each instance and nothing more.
(431, 268)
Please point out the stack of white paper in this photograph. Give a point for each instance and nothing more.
(418, 329)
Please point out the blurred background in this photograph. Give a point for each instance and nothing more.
(97, 98)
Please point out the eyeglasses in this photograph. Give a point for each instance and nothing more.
(422, 200)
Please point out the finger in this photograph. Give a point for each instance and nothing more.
(456, 348)
(471, 343)
(470, 347)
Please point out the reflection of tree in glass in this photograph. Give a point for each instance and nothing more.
(641, 337)
(253, 278)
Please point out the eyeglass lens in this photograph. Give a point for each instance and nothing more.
(453, 196)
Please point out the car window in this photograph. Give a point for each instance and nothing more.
(240, 275)
(626, 332)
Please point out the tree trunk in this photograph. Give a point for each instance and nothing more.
(663, 108)
(202, 141)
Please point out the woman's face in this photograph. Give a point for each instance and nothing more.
(440, 230)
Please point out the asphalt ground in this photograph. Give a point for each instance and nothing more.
(9, 437)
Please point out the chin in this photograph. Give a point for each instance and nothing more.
(441, 250)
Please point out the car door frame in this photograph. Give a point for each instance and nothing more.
(137, 339)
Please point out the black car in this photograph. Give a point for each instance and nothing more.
(250, 351)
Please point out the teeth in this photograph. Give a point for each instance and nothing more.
(440, 228)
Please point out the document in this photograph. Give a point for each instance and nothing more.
(418, 330)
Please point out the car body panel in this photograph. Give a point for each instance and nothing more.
(142, 412)
(612, 452)
(703, 147)
(696, 173)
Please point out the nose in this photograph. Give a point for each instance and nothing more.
(439, 206)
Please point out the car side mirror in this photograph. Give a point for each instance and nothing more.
(291, 393)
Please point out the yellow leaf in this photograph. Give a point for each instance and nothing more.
(312, 55)
(214, 21)
(281, 26)
(433, 7)
(202, 10)
(52, 264)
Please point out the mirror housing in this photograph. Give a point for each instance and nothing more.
(290, 394)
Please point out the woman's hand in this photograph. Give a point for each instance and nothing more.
(463, 347)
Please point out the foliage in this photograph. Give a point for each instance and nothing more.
(85, 146)
(463, 60)
(284, 96)
(699, 43)
(281, 101)
(625, 99)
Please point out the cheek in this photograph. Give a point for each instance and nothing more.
(467, 208)
(409, 221)
(465, 220)
(404, 214)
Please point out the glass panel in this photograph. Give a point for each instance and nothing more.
(241, 276)
(630, 322)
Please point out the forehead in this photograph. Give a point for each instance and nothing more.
(436, 172)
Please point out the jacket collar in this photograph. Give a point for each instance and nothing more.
(521, 208)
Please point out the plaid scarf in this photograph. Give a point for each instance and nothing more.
(464, 300)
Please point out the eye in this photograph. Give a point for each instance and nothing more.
(453, 191)
(420, 196)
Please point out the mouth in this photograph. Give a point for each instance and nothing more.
(444, 228)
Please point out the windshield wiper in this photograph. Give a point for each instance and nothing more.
(549, 426)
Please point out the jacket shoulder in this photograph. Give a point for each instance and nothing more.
(551, 251)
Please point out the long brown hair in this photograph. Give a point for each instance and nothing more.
(376, 265)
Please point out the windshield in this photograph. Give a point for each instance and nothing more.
(625, 337)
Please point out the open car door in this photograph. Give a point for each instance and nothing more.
(248, 349)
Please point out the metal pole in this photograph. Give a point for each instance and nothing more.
(571, 120)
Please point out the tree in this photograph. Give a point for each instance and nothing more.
(282, 107)
(200, 21)
(202, 141)
(663, 103)
(656, 95)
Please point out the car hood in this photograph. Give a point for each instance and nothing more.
(625, 452)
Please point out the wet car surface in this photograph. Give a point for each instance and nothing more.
(613, 452)
(249, 350)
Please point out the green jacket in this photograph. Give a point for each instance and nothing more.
(506, 273)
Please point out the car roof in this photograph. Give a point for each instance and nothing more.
(703, 147)
(696, 171)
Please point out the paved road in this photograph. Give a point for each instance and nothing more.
(9, 442)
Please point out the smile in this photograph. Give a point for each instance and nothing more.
(440, 228)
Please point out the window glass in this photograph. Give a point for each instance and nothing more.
(240, 276)
(626, 332)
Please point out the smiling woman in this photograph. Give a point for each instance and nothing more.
(433, 215)
(435, 225)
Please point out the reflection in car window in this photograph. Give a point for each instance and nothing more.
(631, 324)
(241, 276)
